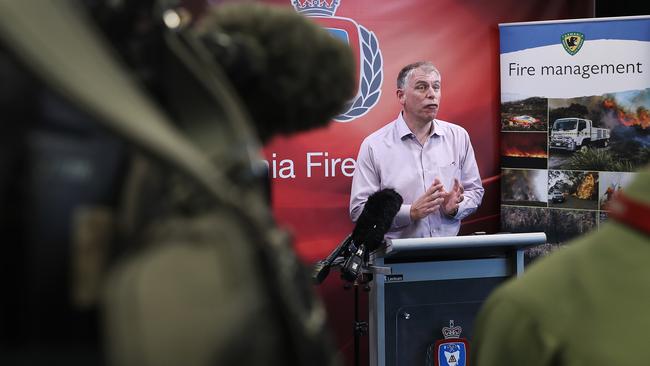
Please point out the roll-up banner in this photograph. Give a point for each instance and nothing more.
(575, 122)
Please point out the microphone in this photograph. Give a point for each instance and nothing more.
(290, 73)
(368, 234)
(376, 218)
(373, 223)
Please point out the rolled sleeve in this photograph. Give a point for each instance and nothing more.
(471, 182)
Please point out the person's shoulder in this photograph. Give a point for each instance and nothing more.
(530, 292)
(381, 134)
(452, 127)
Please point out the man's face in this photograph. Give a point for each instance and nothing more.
(420, 97)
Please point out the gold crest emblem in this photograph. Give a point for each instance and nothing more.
(572, 42)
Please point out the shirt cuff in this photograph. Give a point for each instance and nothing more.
(455, 213)
(462, 209)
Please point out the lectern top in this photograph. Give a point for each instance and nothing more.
(481, 244)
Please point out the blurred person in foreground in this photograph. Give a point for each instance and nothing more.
(428, 161)
(142, 235)
(586, 304)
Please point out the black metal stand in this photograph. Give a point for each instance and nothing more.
(357, 273)
(360, 327)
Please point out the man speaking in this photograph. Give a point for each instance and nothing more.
(429, 162)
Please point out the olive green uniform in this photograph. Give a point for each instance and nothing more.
(586, 304)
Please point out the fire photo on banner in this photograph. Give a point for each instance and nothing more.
(565, 225)
(573, 189)
(529, 114)
(524, 150)
(610, 184)
(524, 187)
(521, 219)
(610, 132)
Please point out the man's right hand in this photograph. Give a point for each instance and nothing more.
(429, 202)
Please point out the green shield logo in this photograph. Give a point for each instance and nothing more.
(572, 42)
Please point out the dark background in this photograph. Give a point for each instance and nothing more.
(608, 8)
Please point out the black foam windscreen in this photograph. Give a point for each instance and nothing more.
(376, 218)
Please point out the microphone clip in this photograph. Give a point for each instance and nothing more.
(351, 259)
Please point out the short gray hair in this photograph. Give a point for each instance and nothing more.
(406, 71)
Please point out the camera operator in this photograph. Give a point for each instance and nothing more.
(137, 189)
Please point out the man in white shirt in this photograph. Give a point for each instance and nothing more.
(428, 161)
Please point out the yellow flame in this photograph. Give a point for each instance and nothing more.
(586, 188)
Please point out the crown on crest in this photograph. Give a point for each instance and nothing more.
(452, 331)
(316, 7)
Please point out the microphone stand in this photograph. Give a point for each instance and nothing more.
(337, 260)
(360, 327)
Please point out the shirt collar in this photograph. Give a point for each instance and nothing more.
(403, 129)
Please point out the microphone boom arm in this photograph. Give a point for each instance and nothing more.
(322, 267)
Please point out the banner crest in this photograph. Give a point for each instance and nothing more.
(365, 47)
(572, 42)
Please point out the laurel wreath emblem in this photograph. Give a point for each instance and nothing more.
(371, 78)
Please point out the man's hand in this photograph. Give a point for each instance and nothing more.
(429, 202)
(452, 199)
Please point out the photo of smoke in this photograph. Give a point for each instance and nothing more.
(609, 132)
(610, 184)
(573, 189)
(524, 150)
(524, 115)
(524, 187)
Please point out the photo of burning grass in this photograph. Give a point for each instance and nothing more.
(524, 150)
(610, 184)
(524, 187)
(524, 115)
(563, 226)
(515, 219)
(617, 140)
(566, 225)
(573, 189)
(533, 253)
(527, 220)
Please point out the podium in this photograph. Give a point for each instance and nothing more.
(422, 284)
